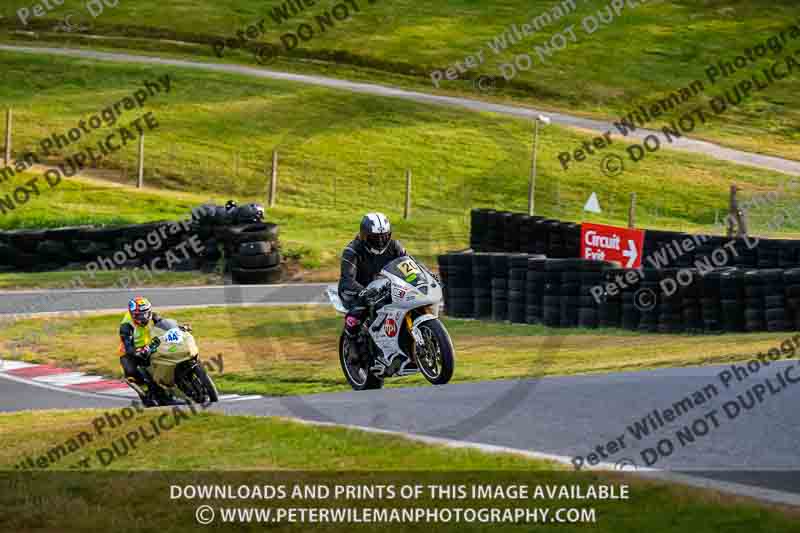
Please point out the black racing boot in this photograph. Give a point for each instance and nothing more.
(143, 396)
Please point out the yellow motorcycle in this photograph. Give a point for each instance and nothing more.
(176, 367)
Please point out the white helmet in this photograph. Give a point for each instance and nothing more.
(376, 232)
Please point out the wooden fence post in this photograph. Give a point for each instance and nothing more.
(8, 137)
(140, 167)
(407, 210)
(737, 215)
(273, 181)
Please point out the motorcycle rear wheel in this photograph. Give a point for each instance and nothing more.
(436, 360)
(358, 376)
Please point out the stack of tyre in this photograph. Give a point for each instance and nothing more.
(551, 293)
(500, 287)
(591, 279)
(647, 299)
(691, 311)
(571, 239)
(482, 285)
(710, 301)
(791, 283)
(541, 236)
(127, 246)
(670, 318)
(685, 258)
(747, 254)
(251, 246)
(456, 268)
(527, 234)
(788, 254)
(555, 240)
(494, 232)
(45, 249)
(517, 273)
(513, 237)
(570, 291)
(774, 300)
(630, 292)
(209, 218)
(731, 304)
(479, 229)
(609, 310)
(768, 254)
(755, 319)
(534, 289)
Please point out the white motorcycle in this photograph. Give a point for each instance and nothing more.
(402, 329)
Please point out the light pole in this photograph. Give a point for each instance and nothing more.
(532, 183)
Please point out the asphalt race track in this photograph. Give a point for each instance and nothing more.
(562, 416)
(65, 301)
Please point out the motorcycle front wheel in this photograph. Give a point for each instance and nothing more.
(199, 386)
(436, 357)
(357, 374)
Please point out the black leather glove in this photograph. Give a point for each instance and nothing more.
(144, 354)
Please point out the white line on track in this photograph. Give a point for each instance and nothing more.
(67, 378)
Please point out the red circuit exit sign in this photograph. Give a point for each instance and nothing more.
(610, 243)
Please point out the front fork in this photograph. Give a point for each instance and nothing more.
(414, 340)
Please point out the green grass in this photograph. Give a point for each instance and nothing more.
(132, 492)
(340, 154)
(293, 350)
(212, 441)
(639, 58)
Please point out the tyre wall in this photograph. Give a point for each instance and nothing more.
(249, 245)
(502, 231)
(572, 292)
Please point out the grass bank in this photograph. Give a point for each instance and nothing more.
(636, 58)
(341, 154)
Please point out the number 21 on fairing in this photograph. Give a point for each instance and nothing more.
(408, 267)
